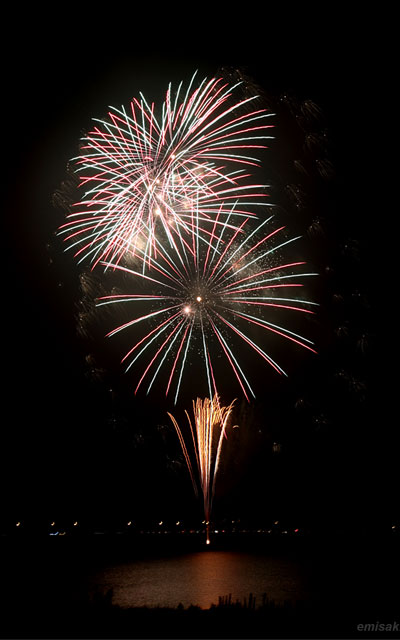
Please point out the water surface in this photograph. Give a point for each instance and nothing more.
(201, 578)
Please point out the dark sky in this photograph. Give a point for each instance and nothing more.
(73, 449)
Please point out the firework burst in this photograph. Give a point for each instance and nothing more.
(147, 176)
(195, 304)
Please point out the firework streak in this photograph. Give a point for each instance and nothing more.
(207, 431)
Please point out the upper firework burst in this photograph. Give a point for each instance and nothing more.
(166, 176)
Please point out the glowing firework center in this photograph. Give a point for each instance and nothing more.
(197, 305)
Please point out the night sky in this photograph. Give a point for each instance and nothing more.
(75, 444)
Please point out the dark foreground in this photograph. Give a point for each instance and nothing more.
(101, 621)
(43, 592)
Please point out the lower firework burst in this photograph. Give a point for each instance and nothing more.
(219, 301)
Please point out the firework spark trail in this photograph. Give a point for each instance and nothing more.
(207, 430)
(204, 299)
(144, 175)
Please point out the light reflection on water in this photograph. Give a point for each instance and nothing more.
(200, 578)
